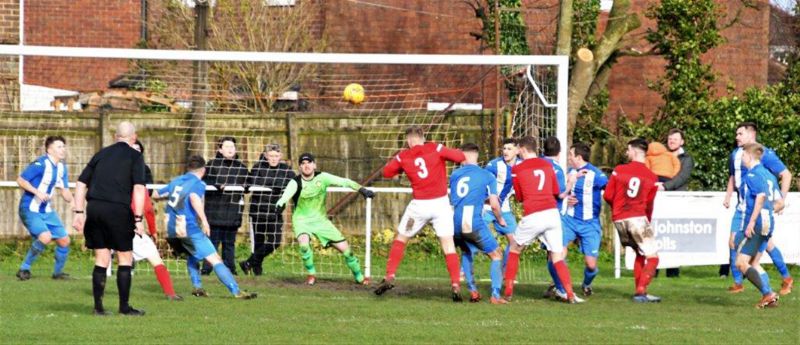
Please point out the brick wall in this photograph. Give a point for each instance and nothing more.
(742, 61)
(9, 34)
(387, 26)
(80, 23)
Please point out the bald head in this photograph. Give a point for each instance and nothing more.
(126, 132)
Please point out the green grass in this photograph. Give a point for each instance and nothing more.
(696, 309)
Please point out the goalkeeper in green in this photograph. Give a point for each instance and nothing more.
(308, 192)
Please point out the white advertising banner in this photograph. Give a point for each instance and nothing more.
(693, 228)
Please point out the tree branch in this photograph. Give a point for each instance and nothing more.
(564, 39)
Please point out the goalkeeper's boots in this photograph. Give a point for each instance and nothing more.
(736, 288)
(363, 281)
(768, 301)
(311, 279)
(245, 266)
(246, 295)
(474, 296)
(456, 294)
(199, 292)
(385, 285)
(497, 300)
(786, 286)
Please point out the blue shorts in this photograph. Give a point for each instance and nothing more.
(196, 244)
(37, 223)
(739, 237)
(753, 245)
(479, 239)
(737, 221)
(587, 231)
(511, 222)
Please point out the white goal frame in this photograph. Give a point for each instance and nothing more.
(559, 61)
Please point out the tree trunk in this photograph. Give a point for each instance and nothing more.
(564, 40)
(582, 77)
(620, 23)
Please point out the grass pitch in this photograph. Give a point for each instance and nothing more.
(696, 309)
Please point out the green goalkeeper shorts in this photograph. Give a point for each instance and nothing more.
(321, 228)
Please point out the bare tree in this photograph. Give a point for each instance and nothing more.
(240, 25)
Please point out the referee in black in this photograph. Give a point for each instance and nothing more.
(108, 222)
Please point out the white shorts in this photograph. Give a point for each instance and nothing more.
(420, 212)
(637, 233)
(545, 225)
(143, 248)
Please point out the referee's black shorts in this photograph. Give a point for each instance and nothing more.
(109, 225)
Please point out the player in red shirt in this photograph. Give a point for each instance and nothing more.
(631, 192)
(424, 165)
(536, 186)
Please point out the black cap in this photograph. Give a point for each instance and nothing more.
(306, 157)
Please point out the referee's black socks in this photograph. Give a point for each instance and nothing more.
(98, 286)
(124, 287)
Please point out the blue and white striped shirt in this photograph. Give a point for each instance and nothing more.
(45, 176)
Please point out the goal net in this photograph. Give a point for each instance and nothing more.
(188, 102)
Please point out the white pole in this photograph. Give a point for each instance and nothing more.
(21, 43)
(368, 240)
(561, 111)
(617, 265)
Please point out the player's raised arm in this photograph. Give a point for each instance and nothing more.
(393, 167)
(346, 182)
(453, 155)
(288, 192)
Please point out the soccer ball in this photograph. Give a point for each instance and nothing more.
(353, 93)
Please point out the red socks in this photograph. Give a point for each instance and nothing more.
(512, 266)
(648, 273)
(395, 257)
(453, 267)
(563, 275)
(163, 278)
(638, 266)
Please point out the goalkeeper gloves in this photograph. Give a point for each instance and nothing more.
(368, 194)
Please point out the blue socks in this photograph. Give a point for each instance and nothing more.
(777, 260)
(588, 276)
(466, 266)
(496, 272)
(765, 288)
(226, 277)
(194, 272)
(37, 248)
(61, 259)
(554, 275)
(505, 256)
(737, 275)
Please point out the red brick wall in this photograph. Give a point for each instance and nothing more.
(742, 61)
(9, 21)
(80, 23)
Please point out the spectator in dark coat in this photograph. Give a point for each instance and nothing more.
(266, 219)
(224, 208)
(679, 182)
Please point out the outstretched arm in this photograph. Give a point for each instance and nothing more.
(288, 192)
(393, 167)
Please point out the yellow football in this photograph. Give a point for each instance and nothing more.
(353, 93)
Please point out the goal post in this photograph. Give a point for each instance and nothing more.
(290, 99)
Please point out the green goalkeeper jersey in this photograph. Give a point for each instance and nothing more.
(311, 203)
